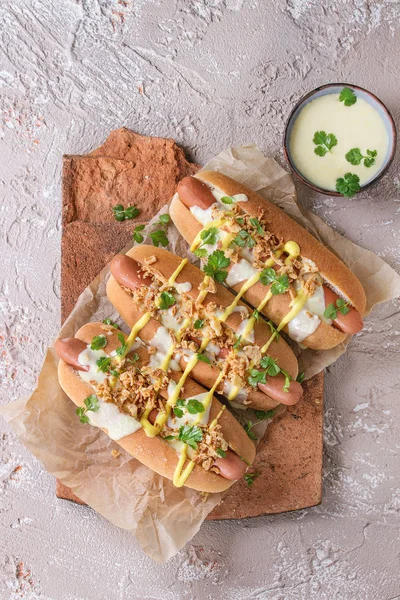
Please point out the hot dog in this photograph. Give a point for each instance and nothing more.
(315, 298)
(203, 326)
(125, 396)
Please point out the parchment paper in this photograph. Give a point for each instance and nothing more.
(161, 517)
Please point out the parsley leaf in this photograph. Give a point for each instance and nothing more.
(108, 321)
(216, 265)
(256, 223)
(136, 235)
(193, 406)
(347, 96)
(166, 300)
(91, 403)
(355, 156)
(324, 142)
(199, 324)
(165, 219)
(203, 358)
(243, 239)
(257, 377)
(123, 347)
(190, 435)
(200, 252)
(125, 214)
(98, 342)
(221, 453)
(209, 236)
(264, 414)
(348, 185)
(159, 238)
(300, 377)
(178, 412)
(250, 477)
(248, 430)
(280, 283)
(256, 315)
(274, 330)
(270, 365)
(331, 310)
(104, 363)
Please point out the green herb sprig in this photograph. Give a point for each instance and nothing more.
(250, 477)
(136, 235)
(331, 310)
(324, 142)
(121, 350)
(159, 236)
(261, 415)
(280, 283)
(91, 404)
(166, 300)
(192, 406)
(348, 185)
(108, 321)
(217, 265)
(125, 214)
(355, 156)
(347, 96)
(270, 368)
(98, 342)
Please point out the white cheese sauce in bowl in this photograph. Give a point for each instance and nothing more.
(364, 124)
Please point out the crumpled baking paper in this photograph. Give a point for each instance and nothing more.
(161, 517)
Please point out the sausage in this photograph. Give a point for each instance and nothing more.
(274, 389)
(68, 349)
(194, 192)
(351, 322)
(231, 466)
(127, 272)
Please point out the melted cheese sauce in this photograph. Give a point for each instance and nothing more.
(189, 419)
(357, 126)
(183, 288)
(109, 417)
(162, 341)
(88, 358)
(310, 316)
(246, 335)
(241, 271)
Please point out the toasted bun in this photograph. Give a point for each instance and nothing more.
(154, 452)
(334, 271)
(202, 372)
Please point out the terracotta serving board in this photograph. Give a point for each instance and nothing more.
(133, 169)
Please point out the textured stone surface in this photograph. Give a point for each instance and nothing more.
(207, 74)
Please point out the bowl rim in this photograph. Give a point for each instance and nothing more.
(296, 107)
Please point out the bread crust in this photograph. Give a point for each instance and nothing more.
(330, 266)
(202, 372)
(154, 452)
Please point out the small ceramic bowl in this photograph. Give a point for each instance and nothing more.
(335, 88)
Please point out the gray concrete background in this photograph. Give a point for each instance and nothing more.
(208, 74)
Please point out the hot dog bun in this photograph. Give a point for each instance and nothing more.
(154, 452)
(166, 263)
(335, 274)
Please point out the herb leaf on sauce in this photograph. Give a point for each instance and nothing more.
(209, 236)
(91, 403)
(166, 300)
(280, 283)
(199, 324)
(216, 266)
(347, 96)
(203, 358)
(324, 142)
(348, 185)
(190, 435)
(355, 156)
